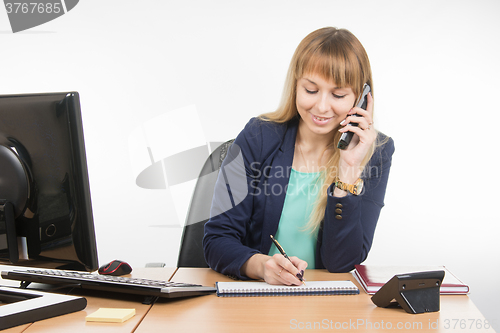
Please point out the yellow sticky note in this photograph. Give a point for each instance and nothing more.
(110, 315)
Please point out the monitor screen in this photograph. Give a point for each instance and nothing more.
(45, 207)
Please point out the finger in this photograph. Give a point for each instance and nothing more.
(299, 263)
(301, 266)
(273, 272)
(356, 120)
(289, 279)
(369, 102)
(281, 276)
(286, 264)
(364, 136)
(367, 114)
(360, 113)
(285, 277)
(277, 273)
(289, 274)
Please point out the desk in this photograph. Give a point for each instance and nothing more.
(347, 313)
(257, 314)
(75, 322)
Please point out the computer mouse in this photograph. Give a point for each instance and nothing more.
(116, 268)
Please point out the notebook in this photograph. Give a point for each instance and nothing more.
(233, 289)
(372, 277)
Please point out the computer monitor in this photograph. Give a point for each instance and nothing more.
(45, 204)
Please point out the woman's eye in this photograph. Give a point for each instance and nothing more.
(339, 96)
(310, 91)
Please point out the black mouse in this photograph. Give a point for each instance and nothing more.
(116, 268)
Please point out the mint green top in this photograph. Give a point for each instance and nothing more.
(292, 235)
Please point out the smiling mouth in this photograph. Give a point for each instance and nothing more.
(321, 118)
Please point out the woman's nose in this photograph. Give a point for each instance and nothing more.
(323, 103)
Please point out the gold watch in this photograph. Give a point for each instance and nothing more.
(355, 189)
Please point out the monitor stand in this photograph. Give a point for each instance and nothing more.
(7, 217)
(27, 306)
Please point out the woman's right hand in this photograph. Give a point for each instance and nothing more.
(275, 270)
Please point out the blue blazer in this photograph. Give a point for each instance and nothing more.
(266, 151)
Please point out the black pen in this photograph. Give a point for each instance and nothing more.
(285, 255)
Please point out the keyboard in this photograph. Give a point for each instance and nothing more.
(119, 284)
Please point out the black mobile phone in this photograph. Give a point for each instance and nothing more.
(346, 137)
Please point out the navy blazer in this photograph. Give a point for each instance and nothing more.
(266, 151)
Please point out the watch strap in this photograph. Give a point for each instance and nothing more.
(351, 188)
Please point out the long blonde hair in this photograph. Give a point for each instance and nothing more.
(337, 56)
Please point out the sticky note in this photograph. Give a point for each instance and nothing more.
(111, 315)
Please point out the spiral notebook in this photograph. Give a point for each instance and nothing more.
(235, 289)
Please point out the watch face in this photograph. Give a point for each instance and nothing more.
(358, 186)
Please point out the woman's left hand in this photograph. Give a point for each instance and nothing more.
(364, 135)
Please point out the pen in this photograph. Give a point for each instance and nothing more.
(282, 251)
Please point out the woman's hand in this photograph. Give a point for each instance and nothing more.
(365, 134)
(279, 270)
(276, 269)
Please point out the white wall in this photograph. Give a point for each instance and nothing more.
(435, 67)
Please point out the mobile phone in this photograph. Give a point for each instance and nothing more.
(346, 137)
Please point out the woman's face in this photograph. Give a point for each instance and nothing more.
(321, 104)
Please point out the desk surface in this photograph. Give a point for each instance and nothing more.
(292, 313)
(266, 314)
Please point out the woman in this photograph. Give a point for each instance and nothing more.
(301, 187)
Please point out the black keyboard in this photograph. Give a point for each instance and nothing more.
(120, 284)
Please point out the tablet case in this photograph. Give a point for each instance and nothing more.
(414, 292)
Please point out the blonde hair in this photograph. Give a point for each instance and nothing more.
(337, 56)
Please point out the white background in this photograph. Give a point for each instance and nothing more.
(435, 67)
